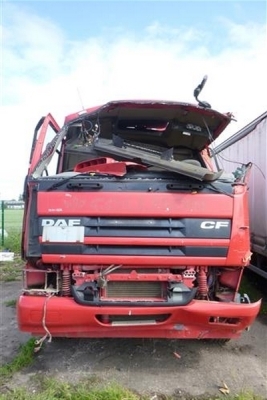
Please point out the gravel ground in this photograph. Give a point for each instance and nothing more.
(146, 365)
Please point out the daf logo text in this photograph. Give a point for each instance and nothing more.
(61, 222)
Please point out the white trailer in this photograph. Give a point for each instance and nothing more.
(250, 145)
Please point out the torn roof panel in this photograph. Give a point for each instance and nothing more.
(158, 122)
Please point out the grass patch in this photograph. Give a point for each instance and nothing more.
(23, 359)
(13, 241)
(245, 396)
(12, 219)
(11, 271)
(10, 303)
(52, 389)
(12, 225)
(91, 389)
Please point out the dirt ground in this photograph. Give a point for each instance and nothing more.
(147, 366)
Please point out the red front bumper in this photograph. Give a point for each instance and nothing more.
(198, 320)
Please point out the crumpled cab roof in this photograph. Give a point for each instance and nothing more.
(163, 123)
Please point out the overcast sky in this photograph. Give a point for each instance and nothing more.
(59, 56)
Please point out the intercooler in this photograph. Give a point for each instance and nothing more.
(137, 290)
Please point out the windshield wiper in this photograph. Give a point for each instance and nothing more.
(185, 186)
(84, 185)
(62, 182)
(79, 184)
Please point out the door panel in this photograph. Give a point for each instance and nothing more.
(41, 138)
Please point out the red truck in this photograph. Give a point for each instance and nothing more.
(133, 234)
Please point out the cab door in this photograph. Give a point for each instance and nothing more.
(45, 131)
(44, 137)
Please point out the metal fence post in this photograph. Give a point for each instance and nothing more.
(3, 223)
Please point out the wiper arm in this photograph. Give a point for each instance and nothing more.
(62, 182)
(80, 185)
(218, 190)
(84, 185)
(185, 186)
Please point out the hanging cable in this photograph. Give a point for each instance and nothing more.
(39, 342)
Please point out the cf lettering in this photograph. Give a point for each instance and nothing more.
(214, 224)
(221, 224)
(207, 225)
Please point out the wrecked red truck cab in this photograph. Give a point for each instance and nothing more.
(134, 235)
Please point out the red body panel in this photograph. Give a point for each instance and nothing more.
(135, 204)
(64, 317)
(154, 205)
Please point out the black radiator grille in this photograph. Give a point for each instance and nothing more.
(151, 227)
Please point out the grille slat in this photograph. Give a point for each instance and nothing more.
(134, 227)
